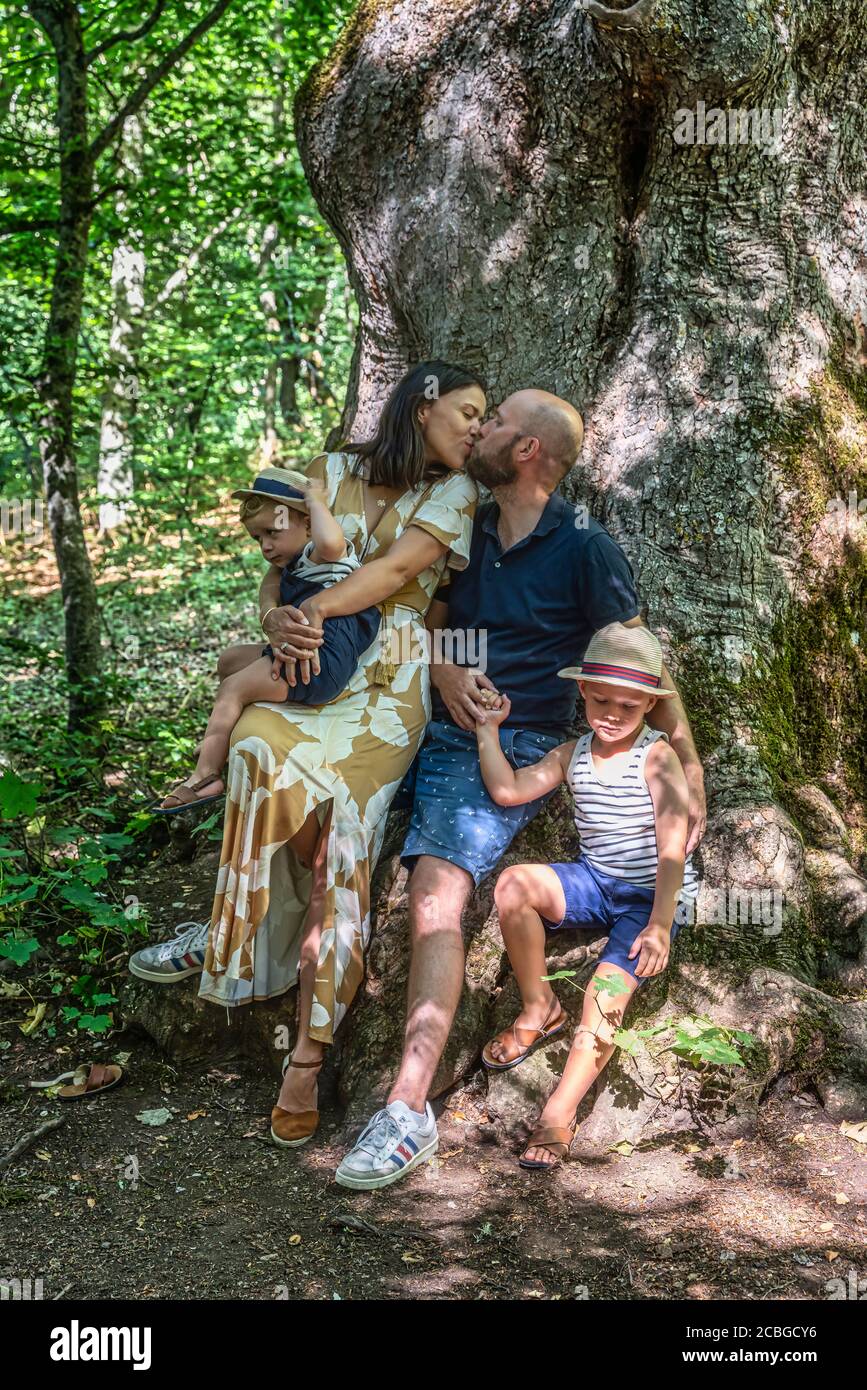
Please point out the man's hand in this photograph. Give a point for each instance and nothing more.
(293, 638)
(461, 692)
(697, 823)
(652, 946)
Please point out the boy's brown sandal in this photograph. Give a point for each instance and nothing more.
(557, 1141)
(516, 1050)
(290, 1130)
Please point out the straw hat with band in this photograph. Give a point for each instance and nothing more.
(623, 656)
(284, 485)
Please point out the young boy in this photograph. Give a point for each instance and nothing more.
(631, 803)
(288, 515)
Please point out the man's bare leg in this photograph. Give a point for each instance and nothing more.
(438, 893)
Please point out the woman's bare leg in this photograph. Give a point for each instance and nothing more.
(298, 1090)
(591, 1050)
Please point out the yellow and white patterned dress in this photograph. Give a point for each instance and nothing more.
(287, 760)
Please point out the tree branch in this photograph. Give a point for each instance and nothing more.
(188, 265)
(633, 18)
(11, 226)
(125, 35)
(147, 84)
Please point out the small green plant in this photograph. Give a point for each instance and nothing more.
(63, 876)
(698, 1040)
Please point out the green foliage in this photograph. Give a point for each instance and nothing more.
(698, 1040)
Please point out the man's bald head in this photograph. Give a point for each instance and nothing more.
(554, 422)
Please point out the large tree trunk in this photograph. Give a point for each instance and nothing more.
(514, 187)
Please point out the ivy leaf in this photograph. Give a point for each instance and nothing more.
(94, 1023)
(18, 951)
(17, 797)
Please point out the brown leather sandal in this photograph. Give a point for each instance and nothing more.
(289, 1129)
(88, 1080)
(557, 1141)
(520, 1051)
(183, 795)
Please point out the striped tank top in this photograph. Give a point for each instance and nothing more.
(616, 820)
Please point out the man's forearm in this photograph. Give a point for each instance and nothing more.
(670, 716)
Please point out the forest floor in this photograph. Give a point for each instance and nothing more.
(218, 1212)
(215, 1209)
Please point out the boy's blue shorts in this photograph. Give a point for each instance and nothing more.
(597, 900)
(453, 817)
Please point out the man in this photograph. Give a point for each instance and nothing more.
(541, 579)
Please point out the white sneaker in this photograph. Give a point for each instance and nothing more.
(167, 961)
(392, 1144)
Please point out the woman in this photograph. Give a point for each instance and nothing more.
(309, 788)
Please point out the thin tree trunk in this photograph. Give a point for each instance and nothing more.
(115, 470)
(56, 378)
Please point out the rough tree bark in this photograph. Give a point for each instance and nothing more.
(514, 186)
(505, 180)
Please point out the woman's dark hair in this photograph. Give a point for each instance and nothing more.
(395, 452)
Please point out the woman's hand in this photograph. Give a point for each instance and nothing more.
(294, 638)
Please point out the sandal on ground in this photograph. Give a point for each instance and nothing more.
(88, 1080)
(518, 1051)
(183, 795)
(557, 1141)
(290, 1130)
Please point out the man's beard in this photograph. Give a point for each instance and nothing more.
(493, 470)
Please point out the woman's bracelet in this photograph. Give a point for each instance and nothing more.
(272, 609)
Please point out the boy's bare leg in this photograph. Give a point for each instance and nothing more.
(591, 1050)
(243, 688)
(438, 894)
(522, 894)
(236, 658)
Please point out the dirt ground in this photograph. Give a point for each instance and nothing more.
(217, 1211)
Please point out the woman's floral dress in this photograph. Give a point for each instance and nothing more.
(350, 756)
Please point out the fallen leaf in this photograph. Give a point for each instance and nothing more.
(410, 1259)
(295, 1240)
(91, 1202)
(841, 1199)
(799, 1138)
(827, 1226)
(34, 1018)
(154, 1117)
(832, 1255)
(693, 1149)
(855, 1130)
(44, 1155)
(196, 1114)
(624, 1147)
(458, 1115)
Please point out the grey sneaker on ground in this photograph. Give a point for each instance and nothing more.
(167, 961)
(392, 1144)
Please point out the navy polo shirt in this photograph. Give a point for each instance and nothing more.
(538, 605)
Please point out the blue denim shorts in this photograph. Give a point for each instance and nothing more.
(614, 905)
(453, 817)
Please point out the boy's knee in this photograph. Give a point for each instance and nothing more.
(225, 663)
(513, 889)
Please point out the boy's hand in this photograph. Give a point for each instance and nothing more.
(497, 708)
(460, 688)
(652, 946)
